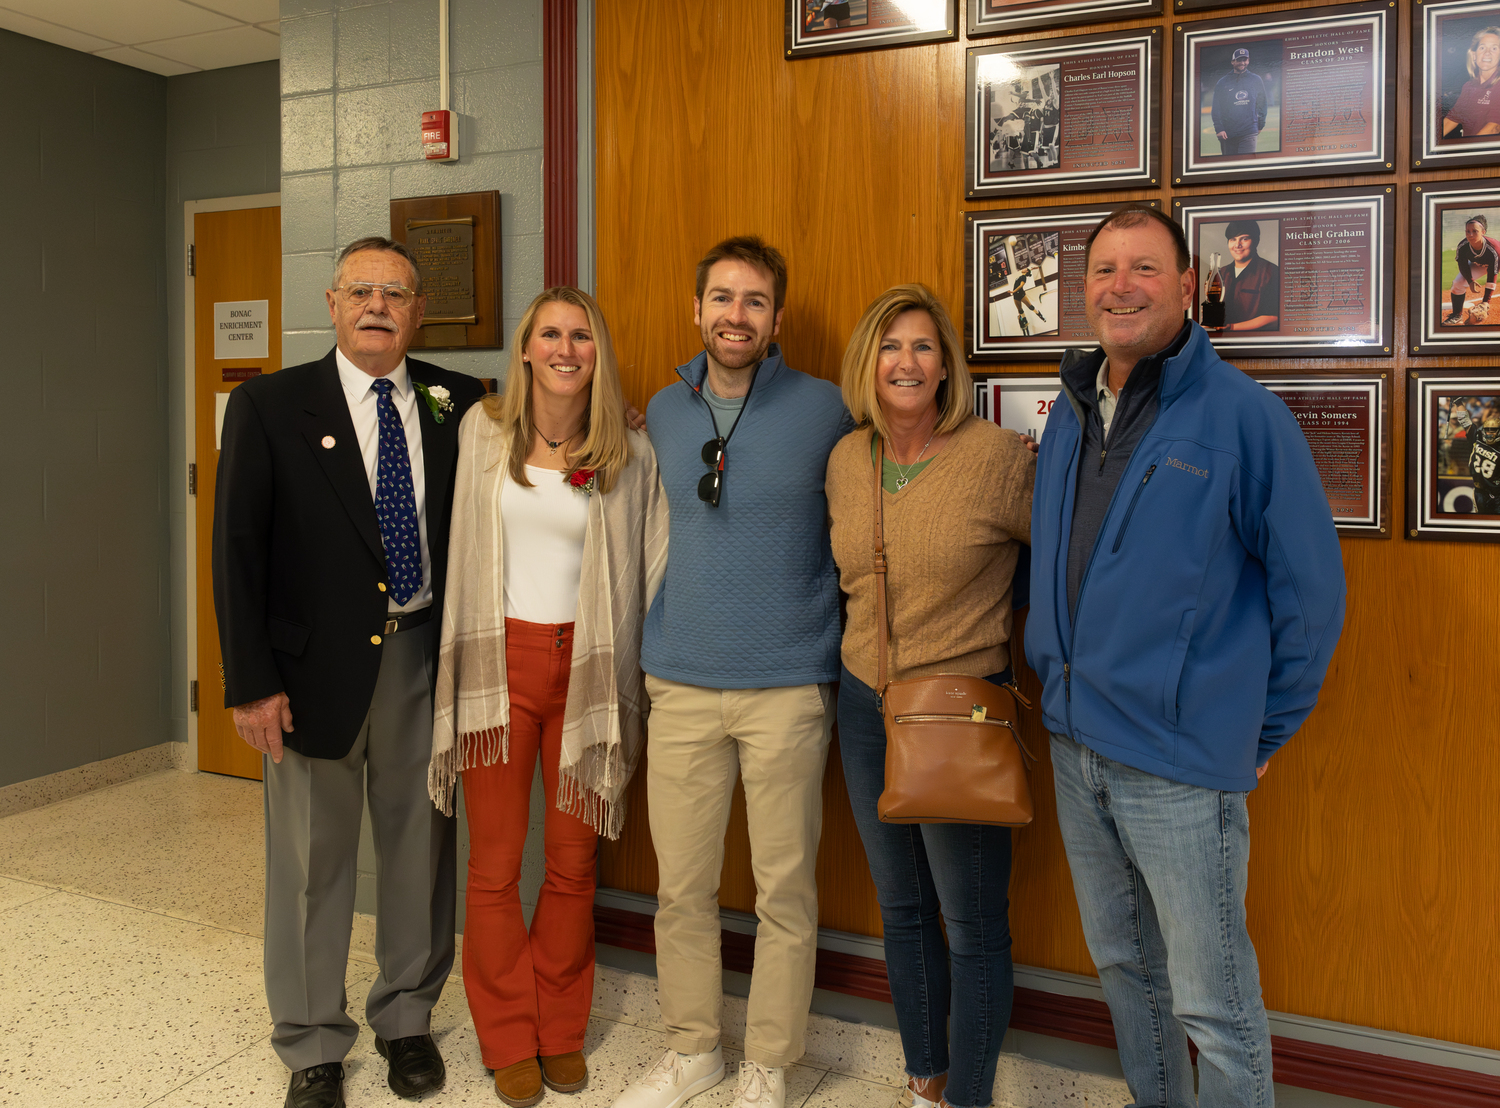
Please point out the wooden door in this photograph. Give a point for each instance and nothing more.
(237, 259)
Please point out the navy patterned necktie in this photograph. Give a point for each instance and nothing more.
(395, 503)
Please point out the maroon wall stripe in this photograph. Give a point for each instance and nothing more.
(560, 142)
(1329, 1069)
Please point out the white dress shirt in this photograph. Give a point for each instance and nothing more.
(1103, 394)
(359, 391)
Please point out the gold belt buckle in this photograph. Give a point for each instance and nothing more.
(390, 625)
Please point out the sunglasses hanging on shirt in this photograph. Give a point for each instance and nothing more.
(711, 484)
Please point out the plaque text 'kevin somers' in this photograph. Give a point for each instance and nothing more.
(445, 256)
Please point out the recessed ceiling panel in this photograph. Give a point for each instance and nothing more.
(134, 21)
(217, 49)
(251, 11)
(129, 55)
(51, 32)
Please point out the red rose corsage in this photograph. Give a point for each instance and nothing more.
(582, 479)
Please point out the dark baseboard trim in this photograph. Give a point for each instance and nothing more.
(1307, 1065)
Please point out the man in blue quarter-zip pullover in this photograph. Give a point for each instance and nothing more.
(739, 649)
(1187, 593)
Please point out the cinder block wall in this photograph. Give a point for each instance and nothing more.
(355, 79)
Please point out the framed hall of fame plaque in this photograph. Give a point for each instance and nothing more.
(456, 241)
(1023, 282)
(1001, 17)
(1285, 274)
(1346, 419)
(1455, 82)
(816, 27)
(1455, 267)
(1303, 93)
(1453, 454)
(1063, 115)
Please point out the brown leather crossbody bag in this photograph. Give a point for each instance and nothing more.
(952, 750)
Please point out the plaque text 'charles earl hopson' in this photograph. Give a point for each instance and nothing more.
(444, 250)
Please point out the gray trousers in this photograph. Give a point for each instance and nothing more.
(313, 810)
(1243, 144)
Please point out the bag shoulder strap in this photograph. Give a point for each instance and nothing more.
(882, 616)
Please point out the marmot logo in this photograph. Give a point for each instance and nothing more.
(1178, 463)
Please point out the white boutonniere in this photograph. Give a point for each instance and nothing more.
(439, 400)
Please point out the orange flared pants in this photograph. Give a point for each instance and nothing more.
(529, 993)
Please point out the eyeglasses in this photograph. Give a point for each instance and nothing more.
(712, 482)
(359, 292)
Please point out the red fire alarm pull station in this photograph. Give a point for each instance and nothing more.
(440, 136)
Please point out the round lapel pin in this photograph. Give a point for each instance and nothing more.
(328, 442)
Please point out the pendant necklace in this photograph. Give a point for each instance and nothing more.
(901, 473)
(552, 446)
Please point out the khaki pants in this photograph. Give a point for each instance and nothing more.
(700, 740)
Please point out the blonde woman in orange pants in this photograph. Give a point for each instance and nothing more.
(558, 543)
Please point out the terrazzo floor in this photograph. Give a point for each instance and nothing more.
(132, 917)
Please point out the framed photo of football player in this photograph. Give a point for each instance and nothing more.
(1063, 115)
(1023, 282)
(1453, 454)
(1455, 83)
(816, 27)
(1303, 93)
(1346, 419)
(1284, 274)
(1455, 267)
(1000, 17)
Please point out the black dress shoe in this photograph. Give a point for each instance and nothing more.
(317, 1087)
(416, 1065)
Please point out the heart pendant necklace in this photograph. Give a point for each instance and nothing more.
(902, 473)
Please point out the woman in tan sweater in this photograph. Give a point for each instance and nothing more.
(957, 506)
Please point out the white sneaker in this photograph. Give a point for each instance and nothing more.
(674, 1079)
(761, 1086)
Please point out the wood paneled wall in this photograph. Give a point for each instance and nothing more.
(1375, 874)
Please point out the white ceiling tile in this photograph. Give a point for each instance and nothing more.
(129, 55)
(135, 21)
(217, 49)
(274, 28)
(51, 32)
(251, 11)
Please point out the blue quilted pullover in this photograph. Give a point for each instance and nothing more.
(751, 595)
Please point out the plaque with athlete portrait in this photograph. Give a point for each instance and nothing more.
(1453, 454)
(816, 27)
(1023, 282)
(1282, 274)
(1021, 404)
(1455, 82)
(1346, 419)
(1063, 115)
(1000, 17)
(1302, 93)
(1455, 267)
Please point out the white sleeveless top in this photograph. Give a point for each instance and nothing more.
(543, 529)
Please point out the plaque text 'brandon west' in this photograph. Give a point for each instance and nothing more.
(444, 250)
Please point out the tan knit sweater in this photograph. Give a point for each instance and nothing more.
(951, 546)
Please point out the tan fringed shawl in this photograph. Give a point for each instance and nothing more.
(624, 557)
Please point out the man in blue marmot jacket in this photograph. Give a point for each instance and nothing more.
(739, 649)
(1187, 594)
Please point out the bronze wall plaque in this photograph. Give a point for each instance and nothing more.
(456, 240)
(444, 249)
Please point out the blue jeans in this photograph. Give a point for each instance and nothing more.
(1159, 868)
(960, 869)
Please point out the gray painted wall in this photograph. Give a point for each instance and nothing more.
(223, 133)
(83, 461)
(355, 79)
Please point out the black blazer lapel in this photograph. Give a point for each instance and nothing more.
(328, 417)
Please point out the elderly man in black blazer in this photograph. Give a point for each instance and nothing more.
(334, 492)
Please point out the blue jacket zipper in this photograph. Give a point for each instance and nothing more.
(1130, 511)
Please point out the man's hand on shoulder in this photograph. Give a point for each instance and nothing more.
(633, 418)
(261, 722)
(1029, 443)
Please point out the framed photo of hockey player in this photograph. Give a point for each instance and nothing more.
(821, 27)
(1455, 267)
(1001, 17)
(1309, 92)
(1453, 454)
(1285, 274)
(1063, 115)
(1346, 419)
(1023, 282)
(1455, 83)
